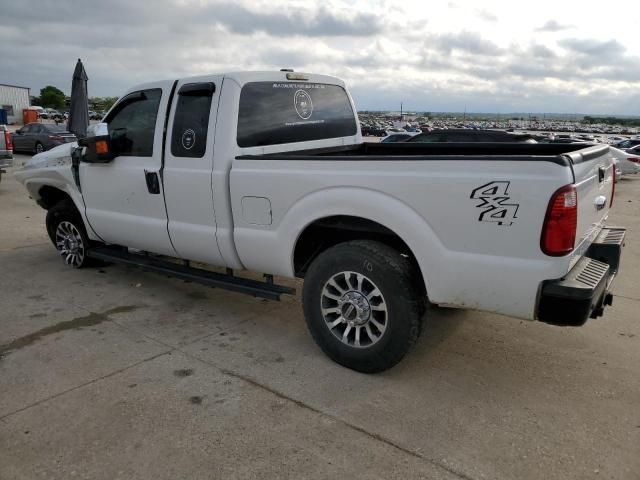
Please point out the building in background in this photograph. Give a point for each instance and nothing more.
(13, 100)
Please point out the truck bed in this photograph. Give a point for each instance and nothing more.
(427, 195)
(560, 153)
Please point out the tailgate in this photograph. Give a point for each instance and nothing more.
(593, 171)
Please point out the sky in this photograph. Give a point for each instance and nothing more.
(490, 56)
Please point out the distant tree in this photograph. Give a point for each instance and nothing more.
(108, 102)
(52, 97)
(102, 103)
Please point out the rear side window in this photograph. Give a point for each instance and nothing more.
(132, 124)
(191, 120)
(273, 113)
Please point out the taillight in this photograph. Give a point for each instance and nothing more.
(560, 223)
(56, 137)
(7, 140)
(634, 159)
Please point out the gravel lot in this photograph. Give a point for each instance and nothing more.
(114, 373)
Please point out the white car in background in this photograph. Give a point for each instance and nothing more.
(627, 161)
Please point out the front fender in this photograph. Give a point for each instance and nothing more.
(53, 172)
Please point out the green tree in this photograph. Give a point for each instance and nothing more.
(52, 97)
(108, 102)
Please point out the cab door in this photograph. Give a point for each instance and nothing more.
(187, 170)
(124, 198)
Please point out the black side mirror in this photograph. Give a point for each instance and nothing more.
(97, 144)
(98, 149)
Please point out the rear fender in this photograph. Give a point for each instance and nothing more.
(278, 246)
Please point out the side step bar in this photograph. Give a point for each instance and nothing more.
(267, 289)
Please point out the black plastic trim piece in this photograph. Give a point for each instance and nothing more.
(580, 294)
(607, 247)
(203, 89)
(584, 291)
(267, 290)
(371, 152)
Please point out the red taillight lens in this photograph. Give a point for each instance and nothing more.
(560, 223)
(634, 159)
(55, 137)
(8, 141)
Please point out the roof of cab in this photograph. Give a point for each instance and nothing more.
(251, 76)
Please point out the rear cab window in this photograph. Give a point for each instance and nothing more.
(273, 113)
(191, 120)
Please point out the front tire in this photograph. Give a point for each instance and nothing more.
(67, 233)
(362, 305)
(39, 147)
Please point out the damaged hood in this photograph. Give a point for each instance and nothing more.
(57, 156)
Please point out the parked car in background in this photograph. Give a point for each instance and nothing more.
(628, 163)
(38, 137)
(372, 131)
(471, 136)
(57, 116)
(633, 150)
(6, 149)
(628, 143)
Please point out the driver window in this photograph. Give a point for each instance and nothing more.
(132, 126)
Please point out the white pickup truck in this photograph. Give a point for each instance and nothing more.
(267, 171)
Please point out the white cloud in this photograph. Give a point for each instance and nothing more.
(432, 56)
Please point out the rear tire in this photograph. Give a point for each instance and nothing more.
(362, 305)
(67, 233)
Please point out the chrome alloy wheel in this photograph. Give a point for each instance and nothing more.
(354, 309)
(69, 243)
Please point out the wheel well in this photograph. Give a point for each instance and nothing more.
(50, 196)
(326, 232)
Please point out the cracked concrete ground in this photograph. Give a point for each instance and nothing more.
(113, 373)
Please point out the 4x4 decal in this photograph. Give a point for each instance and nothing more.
(494, 197)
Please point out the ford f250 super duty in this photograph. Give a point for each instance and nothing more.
(267, 171)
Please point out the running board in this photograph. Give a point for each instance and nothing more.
(148, 263)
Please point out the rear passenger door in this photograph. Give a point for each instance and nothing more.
(188, 168)
(124, 198)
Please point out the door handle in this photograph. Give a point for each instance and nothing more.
(153, 182)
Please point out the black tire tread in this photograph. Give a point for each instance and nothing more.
(410, 295)
(67, 209)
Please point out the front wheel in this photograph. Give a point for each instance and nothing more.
(362, 305)
(67, 233)
(39, 147)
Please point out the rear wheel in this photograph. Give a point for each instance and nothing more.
(67, 233)
(362, 305)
